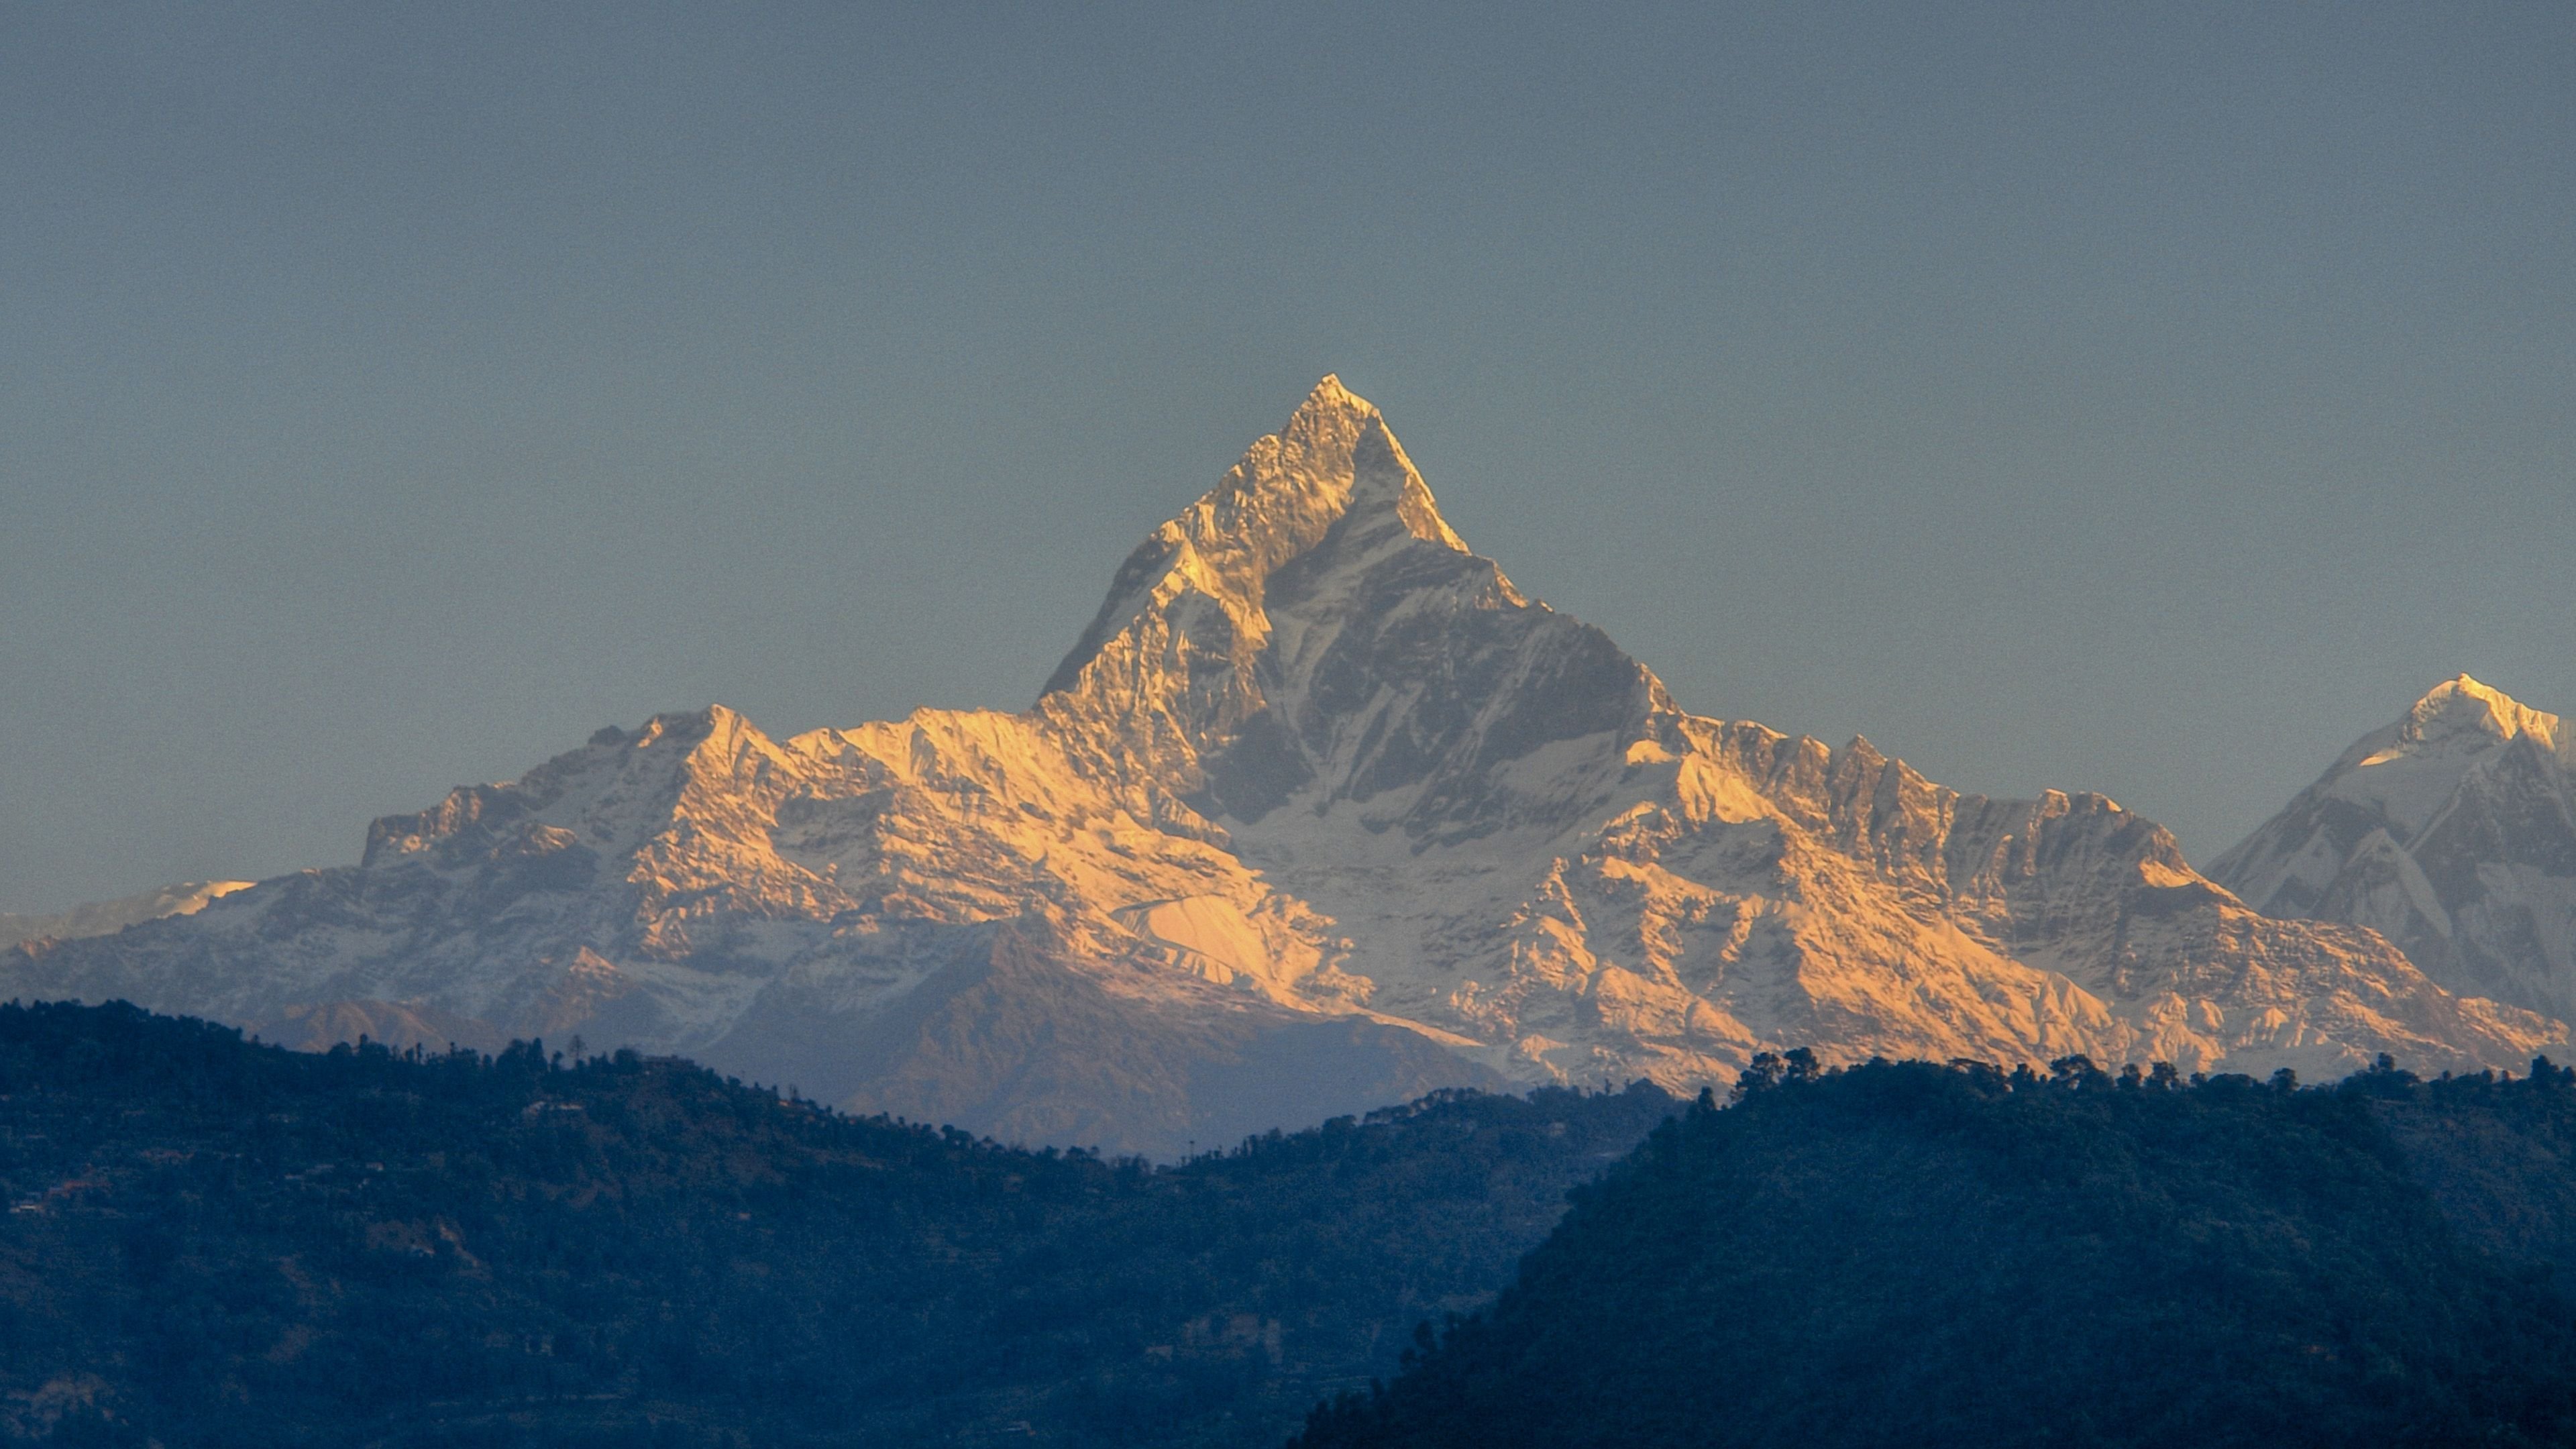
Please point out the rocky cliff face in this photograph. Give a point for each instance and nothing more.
(2452, 832)
(1319, 811)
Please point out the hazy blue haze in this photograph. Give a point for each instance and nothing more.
(2146, 399)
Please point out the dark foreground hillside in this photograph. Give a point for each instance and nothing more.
(1924, 1255)
(216, 1243)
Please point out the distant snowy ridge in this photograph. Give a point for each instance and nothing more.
(100, 918)
(1319, 811)
(2451, 831)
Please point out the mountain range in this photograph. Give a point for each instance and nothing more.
(1322, 812)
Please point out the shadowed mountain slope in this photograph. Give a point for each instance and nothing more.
(1913, 1254)
(219, 1243)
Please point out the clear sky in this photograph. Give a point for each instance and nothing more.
(2138, 398)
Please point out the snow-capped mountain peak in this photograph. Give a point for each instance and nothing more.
(2452, 830)
(2403, 772)
(2462, 716)
(1335, 459)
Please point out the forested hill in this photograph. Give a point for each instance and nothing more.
(212, 1242)
(1924, 1255)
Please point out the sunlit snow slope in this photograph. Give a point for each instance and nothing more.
(1320, 811)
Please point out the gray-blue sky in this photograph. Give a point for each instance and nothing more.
(2146, 399)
